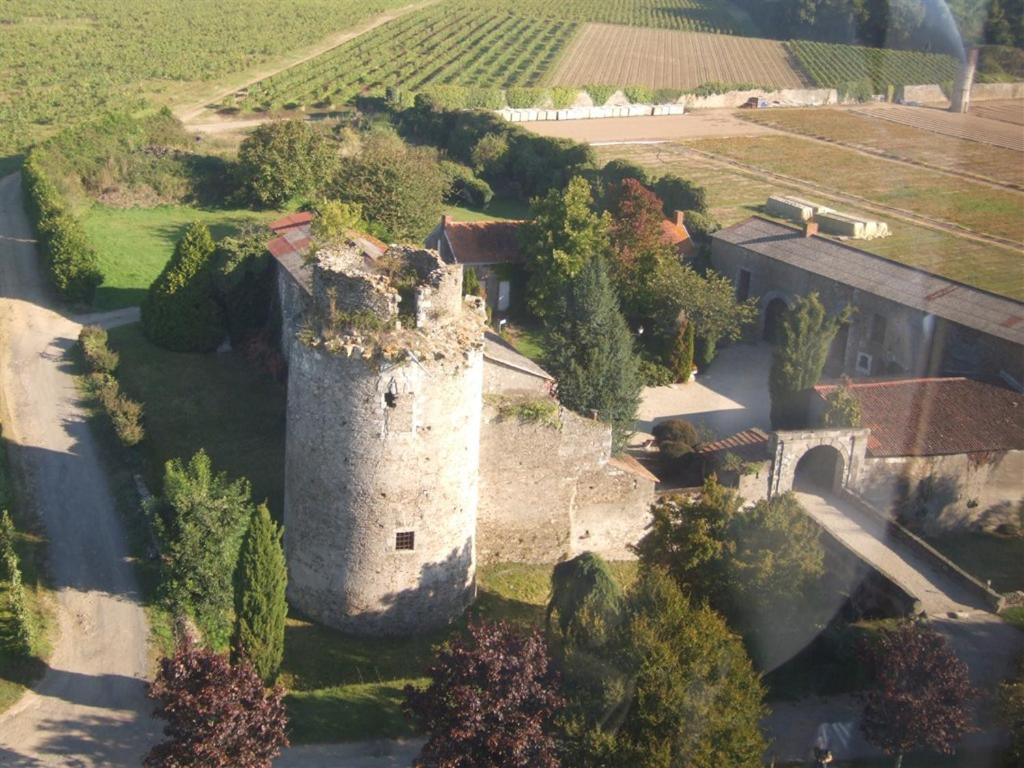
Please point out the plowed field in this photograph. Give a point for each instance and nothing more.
(972, 127)
(617, 55)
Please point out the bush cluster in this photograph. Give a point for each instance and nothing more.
(464, 186)
(71, 262)
(125, 414)
(19, 637)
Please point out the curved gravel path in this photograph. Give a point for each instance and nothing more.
(90, 707)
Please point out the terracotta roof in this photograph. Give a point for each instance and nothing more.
(933, 417)
(484, 242)
(749, 445)
(291, 220)
(912, 287)
(677, 235)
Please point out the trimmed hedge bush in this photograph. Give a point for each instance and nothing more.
(563, 97)
(98, 356)
(71, 262)
(180, 312)
(600, 94)
(526, 98)
(639, 94)
(125, 414)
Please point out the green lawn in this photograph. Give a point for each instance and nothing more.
(134, 243)
(498, 208)
(986, 556)
(219, 402)
(1015, 616)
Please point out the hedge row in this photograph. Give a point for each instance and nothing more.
(70, 260)
(125, 414)
(452, 97)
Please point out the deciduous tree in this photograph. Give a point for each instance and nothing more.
(842, 409)
(218, 715)
(491, 702)
(283, 160)
(260, 607)
(921, 692)
(562, 237)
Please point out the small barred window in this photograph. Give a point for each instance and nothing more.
(405, 540)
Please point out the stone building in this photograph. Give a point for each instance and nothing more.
(417, 441)
(907, 321)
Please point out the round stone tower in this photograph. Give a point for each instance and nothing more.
(384, 404)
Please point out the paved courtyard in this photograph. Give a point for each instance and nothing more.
(732, 395)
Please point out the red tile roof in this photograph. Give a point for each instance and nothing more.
(749, 445)
(677, 236)
(933, 417)
(484, 242)
(291, 220)
(627, 463)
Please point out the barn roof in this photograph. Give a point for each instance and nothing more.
(484, 242)
(959, 303)
(936, 416)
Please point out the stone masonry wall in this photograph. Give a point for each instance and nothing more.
(957, 492)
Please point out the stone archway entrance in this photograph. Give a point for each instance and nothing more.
(773, 312)
(820, 470)
(817, 460)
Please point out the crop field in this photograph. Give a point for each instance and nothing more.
(688, 15)
(62, 59)
(444, 45)
(832, 65)
(658, 58)
(856, 129)
(1008, 111)
(971, 127)
(734, 195)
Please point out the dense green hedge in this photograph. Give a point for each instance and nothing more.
(71, 262)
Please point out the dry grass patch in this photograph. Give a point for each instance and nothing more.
(660, 58)
(902, 141)
(922, 191)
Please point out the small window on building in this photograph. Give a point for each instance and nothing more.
(878, 329)
(743, 285)
(405, 540)
(864, 364)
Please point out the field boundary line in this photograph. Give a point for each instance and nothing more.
(911, 217)
(187, 113)
(884, 155)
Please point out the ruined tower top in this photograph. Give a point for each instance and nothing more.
(405, 299)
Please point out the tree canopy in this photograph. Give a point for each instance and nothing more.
(284, 160)
(590, 351)
(805, 337)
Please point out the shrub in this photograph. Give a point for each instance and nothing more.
(714, 88)
(180, 311)
(492, 700)
(654, 374)
(682, 352)
(489, 154)
(639, 94)
(448, 96)
(563, 96)
(701, 226)
(98, 356)
(464, 186)
(678, 194)
(675, 438)
(217, 714)
(666, 95)
(485, 98)
(71, 262)
(842, 409)
(856, 90)
(125, 414)
(526, 98)
(600, 94)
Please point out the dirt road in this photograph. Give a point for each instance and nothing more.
(90, 707)
(706, 124)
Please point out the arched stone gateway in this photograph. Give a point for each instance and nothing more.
(820, 460)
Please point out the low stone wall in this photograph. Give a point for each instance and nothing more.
(991, 91)
(922, 93)
(788, 97)
(972, 585)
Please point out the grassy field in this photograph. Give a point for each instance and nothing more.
(901, 141)
(219, 402)
(735, 195)
(989, 557)
(1015, 616)
(17, 673)
(134, 244)
(922, 191)
(498, 208)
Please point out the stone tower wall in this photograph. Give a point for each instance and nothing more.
(383, 441)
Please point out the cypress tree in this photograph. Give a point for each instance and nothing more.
(260, 607)
(590, 352)
(682, 352)
(805, 337)
(180, 312)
